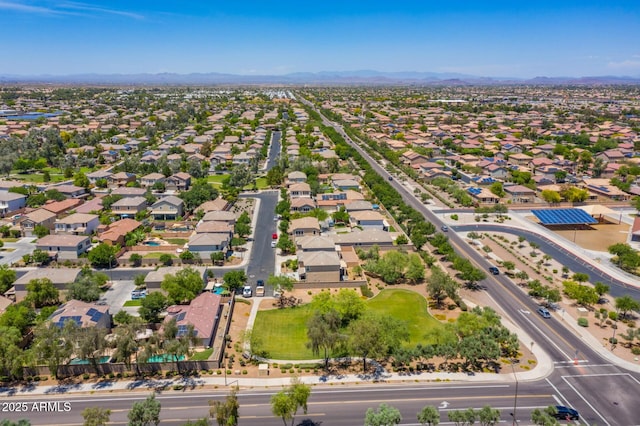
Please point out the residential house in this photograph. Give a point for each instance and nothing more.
(59, 208)
(519, 159)
(302, 205)
(77, 224)
(345, 184)
(219, 216)
(83, 314)
(121, 179)
(129, 206)
(93, 205)
(147, 181)
(178, 182)
(114, 233)
(206, 243)
(167, 208)
(6, 185)
(215, 227)
(359, 206)
(364, 238)
(129, 192)
(97, 175)
(602, 190)
(299, 190)
(412, 158)
(520, 194)
(296, 177)
(71, 191)
(368, 219)
(40, 217)
(635, 230)
(315, 243)
(219, 204)
(319, 266)
(483, 195)
(611, 156)
(60, 277)
(203, 313)
(10, 202)
(304, 226)
(64, 247)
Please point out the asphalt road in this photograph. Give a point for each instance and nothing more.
(263, 256)
(344, 406)
(574, 263)
(596, 388)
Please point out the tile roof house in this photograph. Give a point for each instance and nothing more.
(319, 266)
(178, 182)
(40, 217)
(60, 277)
(203, 313)
(127, 192)
(520, 193)
(368, 219)
(10, 202)
(219, 204)
(77, 224)
(296, 177)
(168, 208)
(302, 205)
(115, 232)
(129, 206)
(368, 238)
(64, 247)
(304, 226)
(83, 314)
(300, 190)
(219, 216)
(60, 207)
(206, 243)
(71, 191)
(147, 181)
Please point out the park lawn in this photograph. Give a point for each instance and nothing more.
(261, 183)
(202, 356)
(407, 306)
(284, 332)
(216, 179)
(137, 302)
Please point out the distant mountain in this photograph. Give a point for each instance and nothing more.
(359, 77)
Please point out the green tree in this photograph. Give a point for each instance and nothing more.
(601, 288)
(234, 280)
(85, 288)
(145, 413)
(463, 417)
(415, 269)
(488, 416)
(226, 413)
(182, 287)
(375, 336)
(20, 315)
(545, 417)
(40, 231)
(285, 404)
(135, 259)
(103, 256)
(12, 357)
(125, 339)
(90, 344)
(323, 333)
(626, 304)
(429, 416)
(54, 345)
(152, 305)
(41, 292)
(497, 189)
(165, 259)
(550, 196)
(281, 282)
(21, 422)
(7, 278)
(199, 192)
(96, 416)
(580, 277)
(81, 180)
(440, 285)
(385, 415)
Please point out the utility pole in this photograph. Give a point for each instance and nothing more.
(515, 398)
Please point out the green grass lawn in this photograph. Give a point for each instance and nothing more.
(202, 356)
(216, 179)
(176, 241)
(156, 255)
(261, 183)
(284, 332)
(408, 306)
(136, 302)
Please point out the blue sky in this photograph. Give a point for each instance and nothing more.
(492, 38)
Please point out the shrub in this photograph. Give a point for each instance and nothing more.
(85, 376)
(218, 372)
(635, 350)
(366, 291)
(292, 371)
(583, 322)
(613, 340)
(245, 372)
(178, 387)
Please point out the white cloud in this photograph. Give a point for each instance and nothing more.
(91, 8)
(20, 7)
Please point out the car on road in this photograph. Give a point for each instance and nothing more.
(247, 291)
(390, 178)
(260, 288)
(274, 236)
(273, 244)
(445, 228)
(494, 270)
(544, 312)
(566, 413)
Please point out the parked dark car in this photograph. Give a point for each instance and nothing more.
(494, 270)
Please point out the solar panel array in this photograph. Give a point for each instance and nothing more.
(62, 320)
(474, 191)
(94, 314)
(563, 217)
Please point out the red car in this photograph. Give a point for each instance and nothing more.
(274, 236)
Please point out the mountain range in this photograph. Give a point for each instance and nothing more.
(360, 77)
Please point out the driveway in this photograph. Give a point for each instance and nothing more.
(17, 250)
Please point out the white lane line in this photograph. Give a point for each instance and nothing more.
(565, 400)
(544, 334)
(587, 402)
(584, 365)
(602, 375)
(557, 399)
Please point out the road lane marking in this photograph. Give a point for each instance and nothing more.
(566, 401)
(554, 344)
(587, 402)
